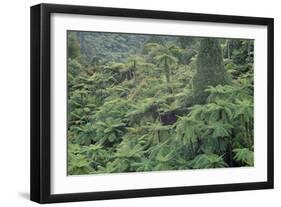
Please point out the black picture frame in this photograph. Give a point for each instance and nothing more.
(40, 184)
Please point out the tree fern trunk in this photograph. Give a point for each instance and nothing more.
(228, 50)
(230, 148)
(192, 149)
(167, 70)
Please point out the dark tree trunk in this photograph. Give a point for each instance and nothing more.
(168, 118)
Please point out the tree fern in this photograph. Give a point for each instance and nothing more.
(208, 161)
(244, 155)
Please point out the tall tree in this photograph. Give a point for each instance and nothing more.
(210, 69)
(73, 48)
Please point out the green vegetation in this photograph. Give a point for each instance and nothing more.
(149, 103)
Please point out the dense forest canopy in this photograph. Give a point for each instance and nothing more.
(141, 102)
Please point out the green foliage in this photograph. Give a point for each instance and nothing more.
(245, 156)
(188, 130)
(150, 103)
(185, 42)
(208, 161)
(78, 163)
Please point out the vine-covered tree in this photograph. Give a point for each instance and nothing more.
(210, 69)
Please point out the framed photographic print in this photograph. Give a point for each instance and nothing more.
(132, 103)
